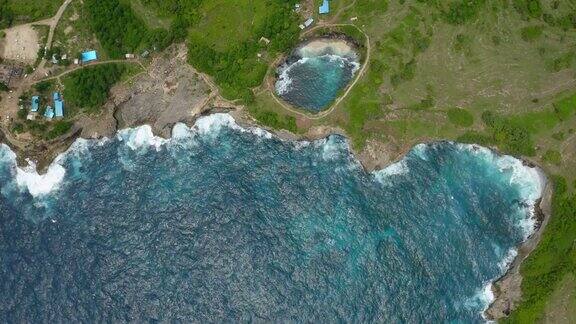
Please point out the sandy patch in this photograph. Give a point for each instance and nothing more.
(21, 44)
(68, 30)
(320, 46)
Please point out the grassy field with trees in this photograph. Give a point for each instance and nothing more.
(500, 73)
(25, 11)
(87, 89)
(553, 259)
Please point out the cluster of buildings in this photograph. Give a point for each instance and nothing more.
(323, 9)
(50, 112)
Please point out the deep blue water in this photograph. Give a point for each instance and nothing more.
(314, 82)
(220, 224)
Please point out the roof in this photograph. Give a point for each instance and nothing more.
(89, 56)
(49, 113)
(35, 103)
(308, 22)
(59, 108)
(58, 104)
(325, 7)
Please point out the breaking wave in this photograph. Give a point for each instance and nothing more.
(312, 77)
(234, 223)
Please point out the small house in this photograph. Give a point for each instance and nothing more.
(89, 56)
(129, 56)
(35, 104)
(325, 7)
(307, 23)
(49, 113)
(58, 105)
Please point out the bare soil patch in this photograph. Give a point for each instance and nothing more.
(21, 44)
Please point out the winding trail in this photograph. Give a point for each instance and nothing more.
(360, 74)
(52, 23)
(80, 67)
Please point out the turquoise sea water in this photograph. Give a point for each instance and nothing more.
(221, 223)
(313, 80)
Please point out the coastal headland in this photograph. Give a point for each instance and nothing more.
(500, 76)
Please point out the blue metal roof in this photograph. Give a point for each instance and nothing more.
(89, 56)
(58, 105)
(35, 103)
(325, 8)
(49, 113)
(59, 108)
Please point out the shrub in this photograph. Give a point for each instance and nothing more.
(460, 117)
(531, 33)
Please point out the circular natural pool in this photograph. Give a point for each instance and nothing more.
(315, 72)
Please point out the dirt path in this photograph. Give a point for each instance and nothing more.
(52, 23)
(360, 74)
(89, 65)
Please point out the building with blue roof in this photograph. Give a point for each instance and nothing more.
(49, 113)
(325, 7)
(89, 56)
(58, 105)
(35, 103)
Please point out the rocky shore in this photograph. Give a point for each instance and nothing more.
(507, 289)
(171, 91)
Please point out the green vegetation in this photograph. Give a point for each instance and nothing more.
(88, 88)
(460, 117)
(553, 258)
(462, 11)
(273, 120)
(531, 33)
(226, 46)
(509, 134)
(3, 87)
(553, 157)
(528, 8)
(25, 11)
(120, 31)
(6, 14)
(59, 128)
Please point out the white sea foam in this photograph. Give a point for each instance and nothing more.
(140, 138)
(28, 179)
(505, 263)
(212, 124)
(284, 81)
(529, 181)
(180, 131)
(331, 147)
(421, 151)
(40, 184)
(398, 168)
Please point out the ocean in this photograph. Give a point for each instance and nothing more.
(223, 224)
(315, 73)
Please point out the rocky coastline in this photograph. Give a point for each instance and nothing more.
(175, 92)
(507, 289)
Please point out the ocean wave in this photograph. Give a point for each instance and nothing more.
(398, 168)
(28, 179)
(481, 299)
(507, 260)
(529, 180)
(140, 138)
(285, 81)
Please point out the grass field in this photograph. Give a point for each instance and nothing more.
(151, 18)
(229, 23)
(26, 11)
(73, 34)
(498, 73)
